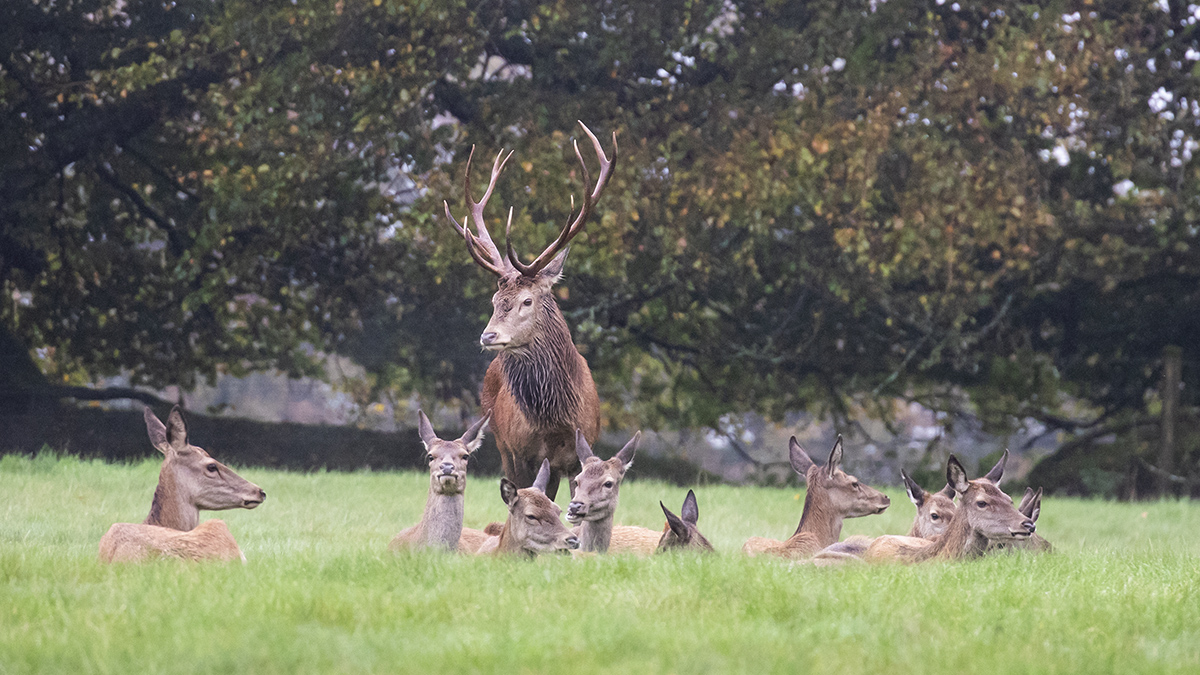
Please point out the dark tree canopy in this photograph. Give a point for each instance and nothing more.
(818, 204)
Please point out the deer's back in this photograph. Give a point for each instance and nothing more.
(471, 540)
(634, 539)
(131, 542)
(897, 548)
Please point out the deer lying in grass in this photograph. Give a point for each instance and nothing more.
(189, 480)
(985, 516)
(597, 488)
(935, 511)
(680, 532)
(832, 496)
(441, 525)
(533, 524)
(1031, 508)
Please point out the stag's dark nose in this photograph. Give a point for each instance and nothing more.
(487, 339)
(447, 468)
(572, 542)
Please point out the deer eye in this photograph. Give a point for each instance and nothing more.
(855, 485)
(212, 468)
(531, 518)
(429, 457)
(934, 516)
(608, 483)
(528, 302)
(981, 504)
(463, 457)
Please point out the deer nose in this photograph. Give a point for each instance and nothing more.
(262, 494)
(1029, 526)
(574, 507)
(447, 468)
(487, 339)
(572, 542)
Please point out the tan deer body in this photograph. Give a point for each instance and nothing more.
(832, 496)
(681, 533)
(985, 516)
(539, 389)
(188, 481)
(441, 524)
(534, 524)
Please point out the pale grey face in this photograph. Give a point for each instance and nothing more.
(596, 490)
(447, 462)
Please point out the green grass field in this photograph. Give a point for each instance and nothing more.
(320, 592)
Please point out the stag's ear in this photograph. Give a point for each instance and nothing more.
(956, 476)
(553, 271)
(582, 449)
(156, 431)
(176, 430)
(691, 512)
(508, 491)
(997, 471)
(801, 462)
(543, 477)
(625, 456)
(835, 457)
(675, 523)
(915, 492)
(425, 429)
(473, 437)
(947, 492)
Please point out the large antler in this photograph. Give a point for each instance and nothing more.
(576, 226)
(480, 245)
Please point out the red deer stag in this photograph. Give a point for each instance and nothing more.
(538, 389)
(189, 480)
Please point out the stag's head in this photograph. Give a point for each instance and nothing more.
(935, 510)
(598, 485)
(985, 508)
(524, 299)
(534, 522)
(192, 474)
(849, 497)
(447, 460)
(681, 532)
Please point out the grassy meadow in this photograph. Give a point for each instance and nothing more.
(320, 592)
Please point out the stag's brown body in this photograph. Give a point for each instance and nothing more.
(539, 389)
(189, 480)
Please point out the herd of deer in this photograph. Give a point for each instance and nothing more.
(542, 405)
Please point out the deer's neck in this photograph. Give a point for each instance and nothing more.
(442, 522)
(543, 375)
(819, 518)
(508, 543)
(914, 530)
(596, 535)
(170, 509)
(959, 541)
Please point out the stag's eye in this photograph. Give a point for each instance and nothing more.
(528, 302)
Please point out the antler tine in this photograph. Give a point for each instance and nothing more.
(480, 245)
(589, 199)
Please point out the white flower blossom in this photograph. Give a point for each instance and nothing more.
(1160, 99)
(1123, 188)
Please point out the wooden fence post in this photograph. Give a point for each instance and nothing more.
(1172, 367)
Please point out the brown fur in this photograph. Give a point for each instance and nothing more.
(597, 489)
(681, 532)
(1031, 508)
(441, 524)
(189, 480)
(534, 524)
(832, 496)
(539, 389)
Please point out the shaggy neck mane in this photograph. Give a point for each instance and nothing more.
(542, 375)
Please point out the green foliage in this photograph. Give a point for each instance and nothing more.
(321, 593)
(817, 204)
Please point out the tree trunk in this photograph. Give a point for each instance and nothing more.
(1172, 366)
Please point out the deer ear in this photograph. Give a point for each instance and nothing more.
(553, 270)
(998, 471)
(915, 492)
(425, 429)
(1025, 500)
(1035, 506)
(156, 431)
(947, 491)
(675, 523)
(508, 491)
(176, 429)
(801, 462)
(625, 456)
(956, 476)
(582, 449)
(835, 457)
(543, 477)
(473, 437)
(691, 512)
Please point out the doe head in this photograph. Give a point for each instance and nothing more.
(201, 480)
(534, 522)
(598, 484)
(985, 507)
(681, 532)
(935, 510)
(447, 460)
(850, 497)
